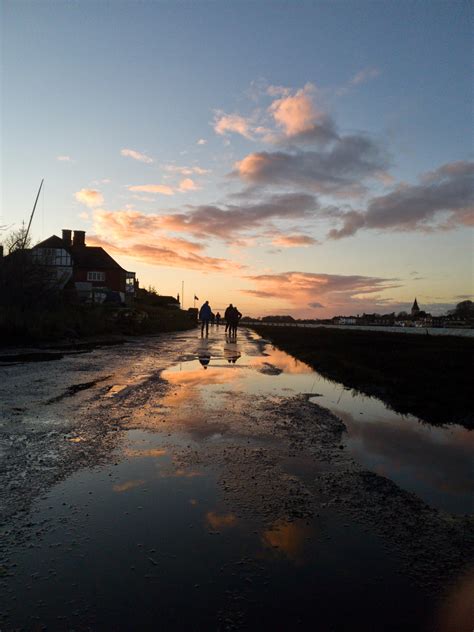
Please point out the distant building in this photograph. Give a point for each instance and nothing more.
(345, 320)
(415, 310)
(89, 270)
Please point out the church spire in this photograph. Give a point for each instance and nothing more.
(415, 309)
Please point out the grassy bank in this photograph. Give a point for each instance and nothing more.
(28, 326)
(427, 376)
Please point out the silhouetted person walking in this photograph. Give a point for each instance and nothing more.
(227, 315)
(218, 319)
(233, 320)
(205, 314)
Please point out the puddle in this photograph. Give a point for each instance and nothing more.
(196, 516)
(120, 547)
(433, 462)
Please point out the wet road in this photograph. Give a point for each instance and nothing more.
(198, 484)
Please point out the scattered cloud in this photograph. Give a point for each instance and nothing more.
(89, 197)
(292, 241)
(136, 155)
(338, 169)
(163, 189)
(277, 91)
(299, 119)
(364, 75)
(292, 116)
(227, 221)
(339, 293)
(129, 224)
(64, 158)
(201, 141)
(187, 171)
(188, 185)
(442, 200)
(169, 252)
(232, 123)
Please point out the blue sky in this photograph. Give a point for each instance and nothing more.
(87, 81)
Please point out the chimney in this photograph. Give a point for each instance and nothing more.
(67, 237)
(79, 238)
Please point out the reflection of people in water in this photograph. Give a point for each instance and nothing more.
(231, 353)
(204, 359)
(205, 315)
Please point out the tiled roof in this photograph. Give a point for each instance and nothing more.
(52, 242)
(93, 257)
(83, 256)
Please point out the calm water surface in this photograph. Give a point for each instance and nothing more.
(436, 463)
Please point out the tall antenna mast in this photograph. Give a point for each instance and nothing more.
(31, 216)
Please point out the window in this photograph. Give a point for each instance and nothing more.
(51, 256)
(96, 276)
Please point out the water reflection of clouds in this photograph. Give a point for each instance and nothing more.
(456, 611)
(198, 377)
(287, 538)
(437, 458)
(127, 485)
(220, 520)
(282, 361)
(150, 452)
(180, 473)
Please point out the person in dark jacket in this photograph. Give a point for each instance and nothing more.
(227, 314)
(205, 314)
(233, 320)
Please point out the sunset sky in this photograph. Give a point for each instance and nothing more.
(306, 158)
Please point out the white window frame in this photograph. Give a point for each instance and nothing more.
(93, 275)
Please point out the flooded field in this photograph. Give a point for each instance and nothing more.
(215, 484)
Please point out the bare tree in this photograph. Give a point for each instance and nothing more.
(17, 239)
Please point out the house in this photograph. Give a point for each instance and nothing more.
(89, 270)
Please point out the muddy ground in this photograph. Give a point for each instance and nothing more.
(268, 469)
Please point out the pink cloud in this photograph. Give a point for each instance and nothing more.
(339, 168)
(234, 123)
(136, 155)
(187, 171)
(89, 197)
(168, 252)
(164, 189)
(188, 185)
(293, 241)
(296, 113)
(306, 290)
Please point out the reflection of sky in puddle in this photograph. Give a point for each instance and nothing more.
(146, 540)
(435, 463)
